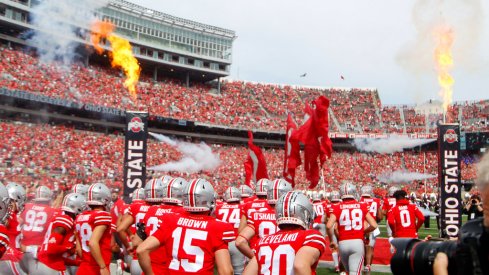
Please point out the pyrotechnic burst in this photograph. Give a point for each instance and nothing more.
(444, 63)
(121, 53)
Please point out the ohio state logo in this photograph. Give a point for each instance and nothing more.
(136, 125)
(450, 136)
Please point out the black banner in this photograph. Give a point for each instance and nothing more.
(450, 186)
(135, 152)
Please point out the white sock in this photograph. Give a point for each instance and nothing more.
(335, 259)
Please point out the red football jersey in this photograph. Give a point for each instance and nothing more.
(4, 241)
(229, 213)
(190, 242)
(252, 206)
(373, 205)
(47, 254)
(13, 231)
(320, 207)
(116, 211)
(247, 200)
(264, 222)
(388, 203)
(350, 216)
(276, 253)
(137, 211)
(85, 223)
(152, 221)
(36, 219)
(402, 219)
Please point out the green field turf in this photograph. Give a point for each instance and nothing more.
(327, 271)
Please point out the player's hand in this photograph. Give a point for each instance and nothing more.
(105, 271)
(333, 246)
(427, 238)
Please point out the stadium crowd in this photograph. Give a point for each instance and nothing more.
(239, 104)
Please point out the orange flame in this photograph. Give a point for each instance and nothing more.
(121, 54)
(444, 63)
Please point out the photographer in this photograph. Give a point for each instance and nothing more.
(441, 263)
(473, 208)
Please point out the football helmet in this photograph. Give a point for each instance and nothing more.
(99, 194)
(80, 189)
(198, 196)
(316, 196)
(335, 196)
(261, 187)
(173, 190)
(246, 191)
(74, 203)
(366, 191)
(294, 208)
(232, 194)
(277, 189)
(138, 195)
(5, 204)
(393, 189)
(17, 193)
(153, 190)
(348, 191)
(43, 194)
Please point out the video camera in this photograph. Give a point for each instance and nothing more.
(467, 255)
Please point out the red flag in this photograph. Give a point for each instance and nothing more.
(255, 165)
(292, 156)
(314, 134)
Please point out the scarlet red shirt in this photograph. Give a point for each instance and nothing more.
(229, 213)
(373, 205)
(402, 219)
(85, 223)
(4, 240)
(190, 242)
(36, 218)
(263, 222)
(388, 203)
(13, 231)
(350, 216)
(252, 206)
(116, 211)
(49, 252)
(319, 208)
(276, 253)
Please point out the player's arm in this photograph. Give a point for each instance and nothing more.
(380, 212)
(242, 223)
(371, 222)
(242, 241)
(122, 227)
(78, 248)
(251, 268)
(330, 229)
(94, 244)
(58, 247)
(419, 218)
(143, 250)
(223, 262)
(305, 259)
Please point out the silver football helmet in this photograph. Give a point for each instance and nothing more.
(138, 195)
(348, 190)
(80, 188)
(335, 196)
(232, 194)
(43, 194)
(261, 187)
(246, 191)
(99, 194)
(294, 208)
(393, 189)
(316, 196)
(74, 203)
(198, 196)
(277, 189)
(17, 193)
(173, 190)
(5, 204)
(153, 190)
(366, 191)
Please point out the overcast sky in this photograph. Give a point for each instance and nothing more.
(382, 44)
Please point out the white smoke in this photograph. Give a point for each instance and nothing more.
(196, 157)
(57, 23)
(392, 144)
(403, 177)
(427, 212)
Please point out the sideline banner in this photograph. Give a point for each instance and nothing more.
(450, 187)
(135, 152)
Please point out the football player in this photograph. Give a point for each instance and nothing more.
(59, 242)
(35, 221)
(246, 194)
(319, 208)
(93, 232)
(405, 218)
(263, 222)
(335, 200)
(228, 212)
(296, 248)
(375, 210)
(350, 216)
(10, 261)
(260, 203)
(5, 207)
(194, 241)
